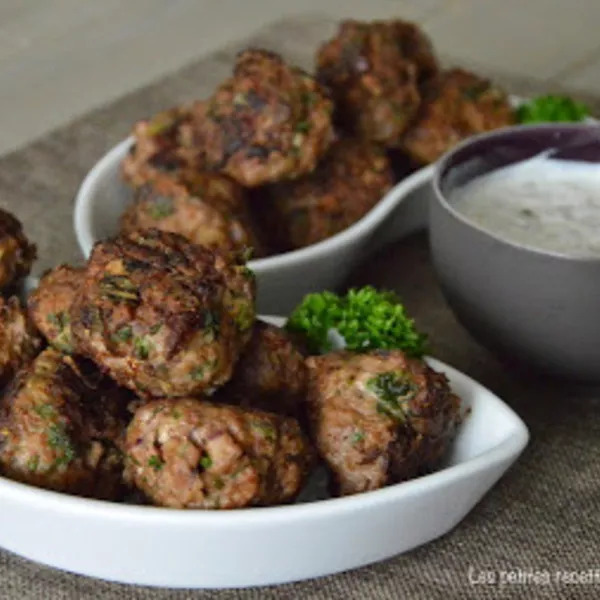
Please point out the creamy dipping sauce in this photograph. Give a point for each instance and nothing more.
(541, 203)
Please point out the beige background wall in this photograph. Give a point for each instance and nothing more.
(60, 58)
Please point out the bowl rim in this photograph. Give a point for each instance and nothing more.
(509, 448)
(82, 213)
(441, 166)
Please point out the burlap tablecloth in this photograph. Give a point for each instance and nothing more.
(542, 517)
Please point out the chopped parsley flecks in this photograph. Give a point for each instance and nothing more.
(62, 340)
(475, 91)
(199, 373)
(33, 463)
(244, 318)
(141, 348)
(46, 411)
(123, 334)
(160, 123)
(302, 127)
(155, 328)
(309, 98)
(155, 462)
(357, 437)
(59, 319)
(246, 254)
(206, 462)
(160, 208)
(248, 273)
(119, 288)
(265, 429)
(211, 325)
(59, 440)
(394, 390)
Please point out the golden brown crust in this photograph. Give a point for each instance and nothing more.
(19, 340)
(206, 209)
(268, 122)
(457, 104)
(374, 71)
(16, 252)
(61, 424)
(160, 148)
(351, 179)
(162, 316)
(378, 418)
(190, 453)
(50, 303)
(270, 374)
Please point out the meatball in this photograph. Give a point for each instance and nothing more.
(270, 375)
(268, 122)
(61, 424)
(188, 453)
(19, 340)
(159, 148)
(351, 179)
(457, 104)
(378, 418)
(16, 253)
(209, 210)
(162, 316)
(50, 305)
(373, 71)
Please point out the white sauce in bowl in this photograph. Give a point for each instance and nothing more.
(541, 203)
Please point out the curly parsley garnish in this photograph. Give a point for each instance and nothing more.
(365, 318)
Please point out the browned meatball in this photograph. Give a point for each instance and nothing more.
(351, 179)
(16, 253)
(378, 418)
(457, 104)
(270, 375)
(189, 453)
(209, 210)
(162, 316)
(50, 305)
(374, 70)
(160, 148)
(19, 340)
(268, 122)
(61, 424)
(417, 47)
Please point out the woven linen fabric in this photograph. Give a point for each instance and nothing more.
(542, 517)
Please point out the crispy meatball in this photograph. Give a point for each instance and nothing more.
(19, 340)
(162, 316)
(351, 179)
(50, 305)
(457, 104)
(189, 453)
(373, 71)
(378, 418)
(209, 210)
(268, 122)
(270, 375)
(16, 253)
(61, 424)
(159, 148)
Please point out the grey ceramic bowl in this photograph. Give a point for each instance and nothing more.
(539, 308)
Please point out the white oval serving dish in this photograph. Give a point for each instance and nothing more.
(283, 279)
(263, 546)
